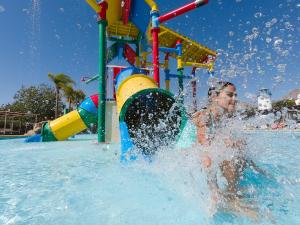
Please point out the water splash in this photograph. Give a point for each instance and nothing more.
(34, 34)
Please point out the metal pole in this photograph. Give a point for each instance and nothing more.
(179, 65)
(182, 10)
(102, 23)
(155, 53)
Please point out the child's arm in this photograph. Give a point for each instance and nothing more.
(257, 169)
(200, 121)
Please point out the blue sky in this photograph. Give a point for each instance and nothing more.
(257, 42)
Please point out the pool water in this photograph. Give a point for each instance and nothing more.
(80, 182)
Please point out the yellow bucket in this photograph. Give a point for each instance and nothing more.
(132, 85)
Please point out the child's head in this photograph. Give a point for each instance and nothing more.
(223, 95)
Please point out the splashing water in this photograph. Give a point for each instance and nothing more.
(34, 34)
(77, 182)
(53, 185)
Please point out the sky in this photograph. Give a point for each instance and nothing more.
(257, 43)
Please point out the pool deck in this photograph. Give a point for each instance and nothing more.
(2, 137)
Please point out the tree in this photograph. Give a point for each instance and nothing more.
(286, 103)
(73, 96)
(79, 96)
(39, 100)
(60, 81)
(69, 93)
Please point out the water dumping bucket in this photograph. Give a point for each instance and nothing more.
(149, 116)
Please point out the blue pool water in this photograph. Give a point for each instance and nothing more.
(79, 182)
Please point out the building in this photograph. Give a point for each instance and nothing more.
(264, 102)
(297, 101)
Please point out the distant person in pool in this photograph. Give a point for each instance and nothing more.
(221, 106)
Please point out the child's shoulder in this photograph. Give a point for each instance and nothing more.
(201, 117)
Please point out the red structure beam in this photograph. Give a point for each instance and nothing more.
(181, 10)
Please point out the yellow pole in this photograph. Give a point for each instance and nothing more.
(94, 5)
(144, 59)
(151, 64)
(198, 65)
(211, 66)
(152, 4)
(179, 63)
(168, 85)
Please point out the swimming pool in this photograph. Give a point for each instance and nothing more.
(79, 182)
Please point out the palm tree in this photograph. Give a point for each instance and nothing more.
(73, 96)
(69, 94)
(79, 96)
(60, 81)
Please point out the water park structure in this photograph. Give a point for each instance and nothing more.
(145, 110)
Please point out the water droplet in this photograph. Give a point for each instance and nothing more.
(268, 40)
(273, 21)
(277, 43)
(281, 68)
(2, 9)
(288, 26)
(258, 15)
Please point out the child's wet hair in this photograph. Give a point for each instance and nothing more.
(215, 90)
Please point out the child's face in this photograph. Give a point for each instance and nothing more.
(227, 98)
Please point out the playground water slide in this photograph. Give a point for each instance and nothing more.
(143, 107)
(149, 117)
(69, 124)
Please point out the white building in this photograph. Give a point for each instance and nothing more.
(297, 101)
(264, 100)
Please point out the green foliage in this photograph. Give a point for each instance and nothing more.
(45, 100)
(35, 99)
(286, 103)
(61, 81)
(69, 95)
(79, 96)
(73, 97)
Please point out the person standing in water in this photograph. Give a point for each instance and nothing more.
(221, 106)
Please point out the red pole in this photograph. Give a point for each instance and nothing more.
(181, 10)
(102, 13)
(155, 60)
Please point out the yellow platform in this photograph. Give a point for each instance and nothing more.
(118, 29)
(191, 50)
